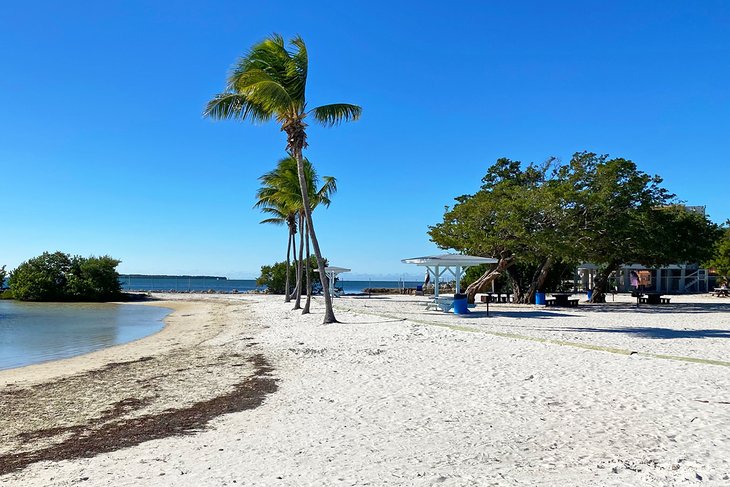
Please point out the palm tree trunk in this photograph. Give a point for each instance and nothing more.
(305, 311)
(287, 296)
(329, 313)
(300, 267)
(295, 262)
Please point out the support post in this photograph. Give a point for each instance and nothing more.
(436, 283)
(683, 279)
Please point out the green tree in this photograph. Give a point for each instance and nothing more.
(41, 278)
(274, 276)
(280, 194)
(543, 220)
(519, 217)
(269, 82)
(60, 277)
(3, 276)
(720, 260)
(624, 216)
(272, 198)
(93, 279)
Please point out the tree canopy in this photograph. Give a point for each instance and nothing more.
(61, 277)
(720, 260)
(542, 219)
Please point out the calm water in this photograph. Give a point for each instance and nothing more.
(37, 332)
(239, 285)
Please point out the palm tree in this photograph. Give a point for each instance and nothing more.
(269, 82)
(280, 195)
(280, 215)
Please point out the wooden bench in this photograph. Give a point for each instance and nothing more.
(550, 302)
(573, 303)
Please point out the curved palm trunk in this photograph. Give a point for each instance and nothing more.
(329, 313)
(295, 262)
(300, 267)
(308, 271)
(287, 295)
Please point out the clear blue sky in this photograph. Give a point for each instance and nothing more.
(103, 149)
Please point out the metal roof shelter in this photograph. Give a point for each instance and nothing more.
(331, 273)
(454, 263)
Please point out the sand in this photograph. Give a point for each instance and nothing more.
(394, 395)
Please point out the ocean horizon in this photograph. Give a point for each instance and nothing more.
(132, 282)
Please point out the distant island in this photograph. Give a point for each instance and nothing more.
(156, 276)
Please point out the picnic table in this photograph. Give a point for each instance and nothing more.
(722, 292)
(495, 297)
(561, 299)
(443, 303)
(653, 298)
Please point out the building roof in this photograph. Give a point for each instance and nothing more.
(451, 260)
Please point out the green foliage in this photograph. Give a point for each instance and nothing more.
(269, 82)
(3, 276)
(720, 260)
(552, 216)
(274, 276)
(93, 279)
(60, 277)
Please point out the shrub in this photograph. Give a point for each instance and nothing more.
(60, 277)
(274, 276)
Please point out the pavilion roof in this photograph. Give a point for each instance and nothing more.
(450, 260)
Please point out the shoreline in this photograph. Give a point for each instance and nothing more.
(170, 383)
(56, 368)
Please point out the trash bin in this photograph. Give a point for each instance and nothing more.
(590, 294)
(460, 304)
(540, 298)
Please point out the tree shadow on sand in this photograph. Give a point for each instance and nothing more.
(533, 314)
(652, 332)
(658, 308)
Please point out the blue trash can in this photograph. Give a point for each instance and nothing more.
(540, 298)
(590, 294)
(460, 304)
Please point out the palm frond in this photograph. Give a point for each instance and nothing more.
(225, 106)
(336, 113)
(298, 68)
(274, 221)
(323, 196)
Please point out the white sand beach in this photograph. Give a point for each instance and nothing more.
(394, 395)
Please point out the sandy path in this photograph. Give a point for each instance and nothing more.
(378, 401)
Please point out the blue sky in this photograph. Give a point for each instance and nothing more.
(103, 149)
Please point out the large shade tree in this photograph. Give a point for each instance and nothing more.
(625, 216)
(269, 83)
(541, 219)
(518, 216)
(720, 260)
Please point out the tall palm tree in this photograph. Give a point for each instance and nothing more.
(280, 195)
(269, 82)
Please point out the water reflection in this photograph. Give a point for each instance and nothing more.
(37, 332)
